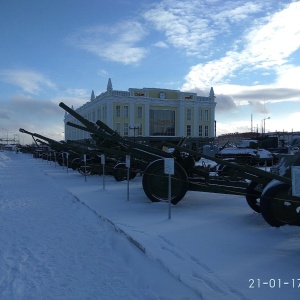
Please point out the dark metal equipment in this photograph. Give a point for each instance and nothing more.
(266, 192)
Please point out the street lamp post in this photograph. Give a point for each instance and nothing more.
(134, 128)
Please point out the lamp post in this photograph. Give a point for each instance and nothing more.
(134, 128)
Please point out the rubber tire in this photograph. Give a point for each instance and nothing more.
(267, 203)
(155, 182)
(252, 195)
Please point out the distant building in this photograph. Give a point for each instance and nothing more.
(148, 112)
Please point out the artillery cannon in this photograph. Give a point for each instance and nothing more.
(266, 192)
(115, 147)
(54, 150)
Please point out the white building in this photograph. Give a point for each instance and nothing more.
(148, 112)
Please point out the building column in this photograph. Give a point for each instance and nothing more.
(109, 116)
(195, 121)
(131, 118)
(147, 120)
(212, 122)
(180, 121)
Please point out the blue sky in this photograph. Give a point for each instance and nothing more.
(61, 50)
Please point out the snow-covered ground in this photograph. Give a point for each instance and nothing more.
(62, 237)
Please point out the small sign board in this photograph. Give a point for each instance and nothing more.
(296, 181)
(169, 166)
(102, 159)
(127, 161)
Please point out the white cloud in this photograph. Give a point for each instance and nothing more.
(271, 44)
(267, 46)
(288, 76)
(102, 73)
(194, 25)
(161, 44)
(29, 81)
(116, 43)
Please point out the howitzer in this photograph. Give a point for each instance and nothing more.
(60, 148)
(266, 192)
(99, 127)
(57, 146)
(141, 155)
(130, 147)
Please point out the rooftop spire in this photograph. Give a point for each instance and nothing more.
(109, 85)
(92, 96)
(212, 94)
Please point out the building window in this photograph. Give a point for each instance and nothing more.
(104, 112)
(118, 128)
(188, 114)
(200, 130)
(188, 130)
(118, 111)
(140, 130)
(206, 115)
(162, 122)
(206, 131)
(126, 111)
(140, 112)
(201, 115)
(126, 131)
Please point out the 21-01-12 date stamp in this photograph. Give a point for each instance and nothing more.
(274, 283)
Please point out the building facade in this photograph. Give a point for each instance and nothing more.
(148, 112)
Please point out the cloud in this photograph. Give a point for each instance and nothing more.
(4, 114)
(103, 73)
(195, 25)
(161, 44)
(32, 114)
(34, 108)
(116, 43)
(259, 107)
(225, 103)
(268, 94)
(268, 47)
(29, 81)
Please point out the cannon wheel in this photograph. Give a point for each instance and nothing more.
(155, 182)
(120, 172)
(253, 196)
(277, 207)
(85, 170)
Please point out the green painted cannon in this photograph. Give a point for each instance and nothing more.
(116, 147)
(268, 193)
(58, 151)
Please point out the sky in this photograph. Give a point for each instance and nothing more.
(61, 50)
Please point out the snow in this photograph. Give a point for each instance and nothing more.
(261, 153)
(66, 238)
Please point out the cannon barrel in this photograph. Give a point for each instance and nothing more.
(55, 145)
(25, 131)
(106, 128)
(147, 151)
(50, 141)
(77, 116)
